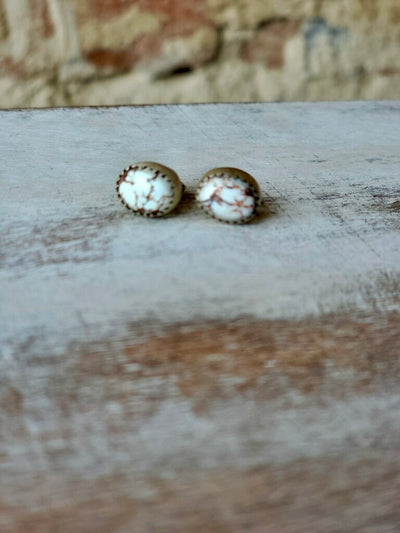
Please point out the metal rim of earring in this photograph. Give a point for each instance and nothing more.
(149, 189)
(229, 195)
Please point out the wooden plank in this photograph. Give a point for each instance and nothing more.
(185, 375)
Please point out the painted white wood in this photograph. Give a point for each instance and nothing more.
(150, 362)
(75, 263)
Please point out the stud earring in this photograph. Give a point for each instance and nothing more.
(149, 189)
(228, 194)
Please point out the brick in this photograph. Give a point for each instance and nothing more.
(145, 33)
(41, 13)
(103, 10)
(268, 45)
(124, 59)
(117, 32)
(394, 14)
(3, 23)
(225, 49)
(182, 17)
(12, 68)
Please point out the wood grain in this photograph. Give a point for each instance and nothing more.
(185, 375)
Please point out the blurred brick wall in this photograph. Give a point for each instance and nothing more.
(78, 52)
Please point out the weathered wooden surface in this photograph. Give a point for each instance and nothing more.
(184, 375)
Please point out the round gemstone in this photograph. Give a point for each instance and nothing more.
(149, 189)
(228, 194)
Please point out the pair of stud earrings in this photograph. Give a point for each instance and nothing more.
(153, 190)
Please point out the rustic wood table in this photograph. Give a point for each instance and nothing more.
(184, 375)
